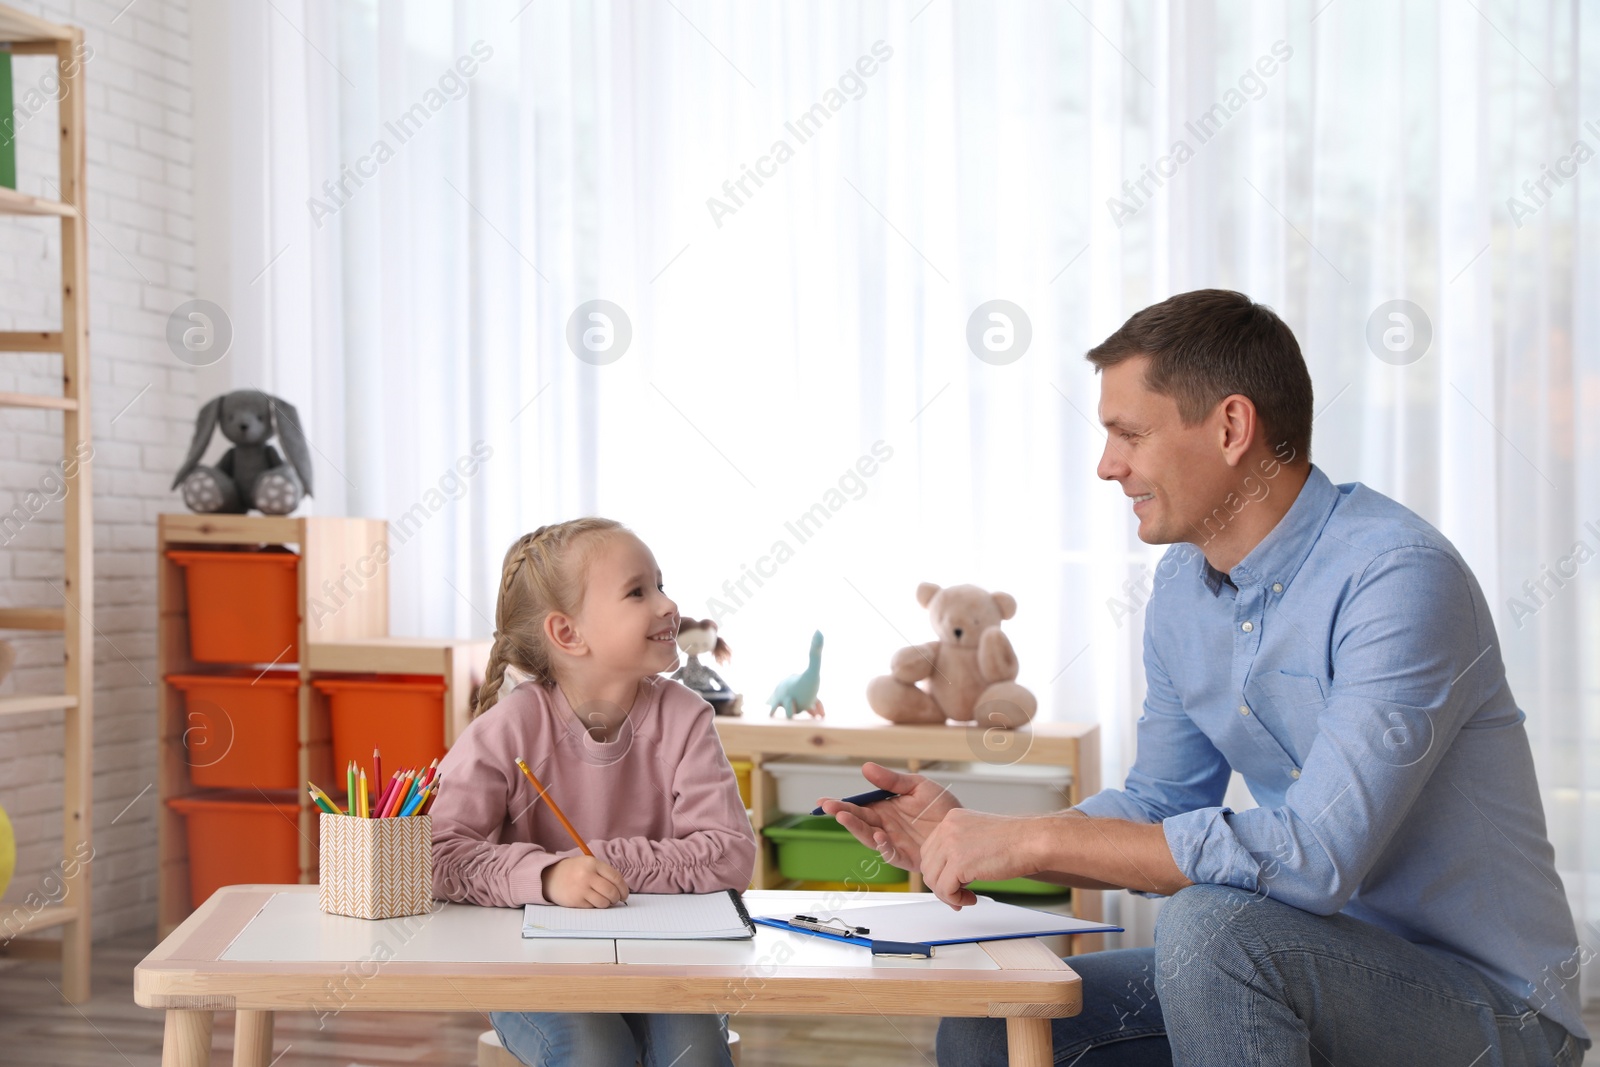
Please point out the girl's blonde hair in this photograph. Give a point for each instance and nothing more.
(544, 571)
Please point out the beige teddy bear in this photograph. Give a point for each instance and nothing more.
(968, 675)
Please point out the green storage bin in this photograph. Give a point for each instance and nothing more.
(1021, 886)
(815, 848)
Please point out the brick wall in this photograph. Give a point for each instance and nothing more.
(141, 266)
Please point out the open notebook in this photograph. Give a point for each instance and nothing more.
(646, 917)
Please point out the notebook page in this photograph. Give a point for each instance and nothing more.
(646, 915)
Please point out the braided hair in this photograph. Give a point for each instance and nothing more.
(544, 571)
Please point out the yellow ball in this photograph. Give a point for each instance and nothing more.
(8, 851)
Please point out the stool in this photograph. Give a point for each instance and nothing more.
(493, 1054)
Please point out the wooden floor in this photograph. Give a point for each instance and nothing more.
(111, 1031)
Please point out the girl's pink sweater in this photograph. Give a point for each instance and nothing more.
(659, 802)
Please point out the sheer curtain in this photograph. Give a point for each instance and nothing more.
(798, 210)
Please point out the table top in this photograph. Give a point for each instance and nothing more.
(270, 948)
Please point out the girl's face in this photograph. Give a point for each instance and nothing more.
(627, 620)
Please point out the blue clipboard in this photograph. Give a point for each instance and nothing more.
(903, 949)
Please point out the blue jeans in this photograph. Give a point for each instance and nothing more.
(1236, 980)
(571, 1039)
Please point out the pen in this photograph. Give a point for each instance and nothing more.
(811, 922)
(862, 799)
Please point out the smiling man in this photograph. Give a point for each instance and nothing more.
(1393, 898)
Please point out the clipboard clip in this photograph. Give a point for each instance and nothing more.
(828, 926)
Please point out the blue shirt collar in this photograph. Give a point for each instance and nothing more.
(1279, 555)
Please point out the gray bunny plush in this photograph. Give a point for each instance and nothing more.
(251, 474)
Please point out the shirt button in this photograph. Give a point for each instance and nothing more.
(1295, 773)
(1247, 626)
(1277, 587)
(1244, 709)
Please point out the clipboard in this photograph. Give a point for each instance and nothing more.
(917, 925)
(912, 950)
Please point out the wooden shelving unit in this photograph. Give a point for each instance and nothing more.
(1074, 746)
(342, 554)
(29, 35)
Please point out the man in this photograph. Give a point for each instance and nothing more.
(1393, 899)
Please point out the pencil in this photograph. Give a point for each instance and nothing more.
(554, 807)
(361, 794)
(377, 768)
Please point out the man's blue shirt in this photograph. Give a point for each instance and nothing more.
(1348, 669)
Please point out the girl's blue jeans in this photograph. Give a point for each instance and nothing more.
(1236, 980)
(570, 1039)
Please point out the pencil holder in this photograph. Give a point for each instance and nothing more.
(376, 868)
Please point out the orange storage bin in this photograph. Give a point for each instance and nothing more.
(244, 607)
(402, 715)
(241, 730)
(239, 838)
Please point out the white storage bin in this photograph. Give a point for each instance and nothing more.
(1017, 789)
(802, 781)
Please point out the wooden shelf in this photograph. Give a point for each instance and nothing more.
(30, 340)
(45, 918)
(26, 705)
(15, 203)
(31, 400)
(28, 34)
(33, 618)
(19, 27)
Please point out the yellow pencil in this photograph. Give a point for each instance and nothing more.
(555, 808)
(361, 794)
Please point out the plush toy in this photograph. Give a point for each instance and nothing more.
(798, 692)
(968, 674)
(251, 474)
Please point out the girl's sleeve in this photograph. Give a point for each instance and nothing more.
(470, 863)
(713, 846)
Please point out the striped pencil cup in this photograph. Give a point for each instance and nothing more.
(376, 868)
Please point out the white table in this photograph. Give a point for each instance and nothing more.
(263, 949)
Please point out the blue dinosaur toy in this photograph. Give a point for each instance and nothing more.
(798, 692)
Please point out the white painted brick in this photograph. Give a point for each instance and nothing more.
(141, 260)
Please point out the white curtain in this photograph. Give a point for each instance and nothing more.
(1079, 160)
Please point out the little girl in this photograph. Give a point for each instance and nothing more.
(630, 757)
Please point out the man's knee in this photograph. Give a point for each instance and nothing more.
(1202, 926)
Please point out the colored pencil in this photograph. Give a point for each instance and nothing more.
(554, 807)
(324, 801)
(397, 797)
(361, 783)
(350, 787)
(388, 790)
(377, 768)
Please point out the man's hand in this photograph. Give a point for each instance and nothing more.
(971, 846)
(897, 827)
(584, 882)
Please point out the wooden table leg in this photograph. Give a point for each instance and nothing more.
(187, 1041)
(1030, 1042)
(252, 1038)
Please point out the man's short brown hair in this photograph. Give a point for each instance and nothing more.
(1211, 343)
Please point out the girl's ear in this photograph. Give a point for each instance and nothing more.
(563, 635)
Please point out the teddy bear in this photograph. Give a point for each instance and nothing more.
(968, 674)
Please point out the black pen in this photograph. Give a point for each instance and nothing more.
(863, 799)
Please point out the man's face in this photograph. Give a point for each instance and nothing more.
(1174, 474)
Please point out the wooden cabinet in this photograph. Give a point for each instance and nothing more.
(343, 592)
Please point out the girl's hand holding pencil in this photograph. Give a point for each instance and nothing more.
(577, 881)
